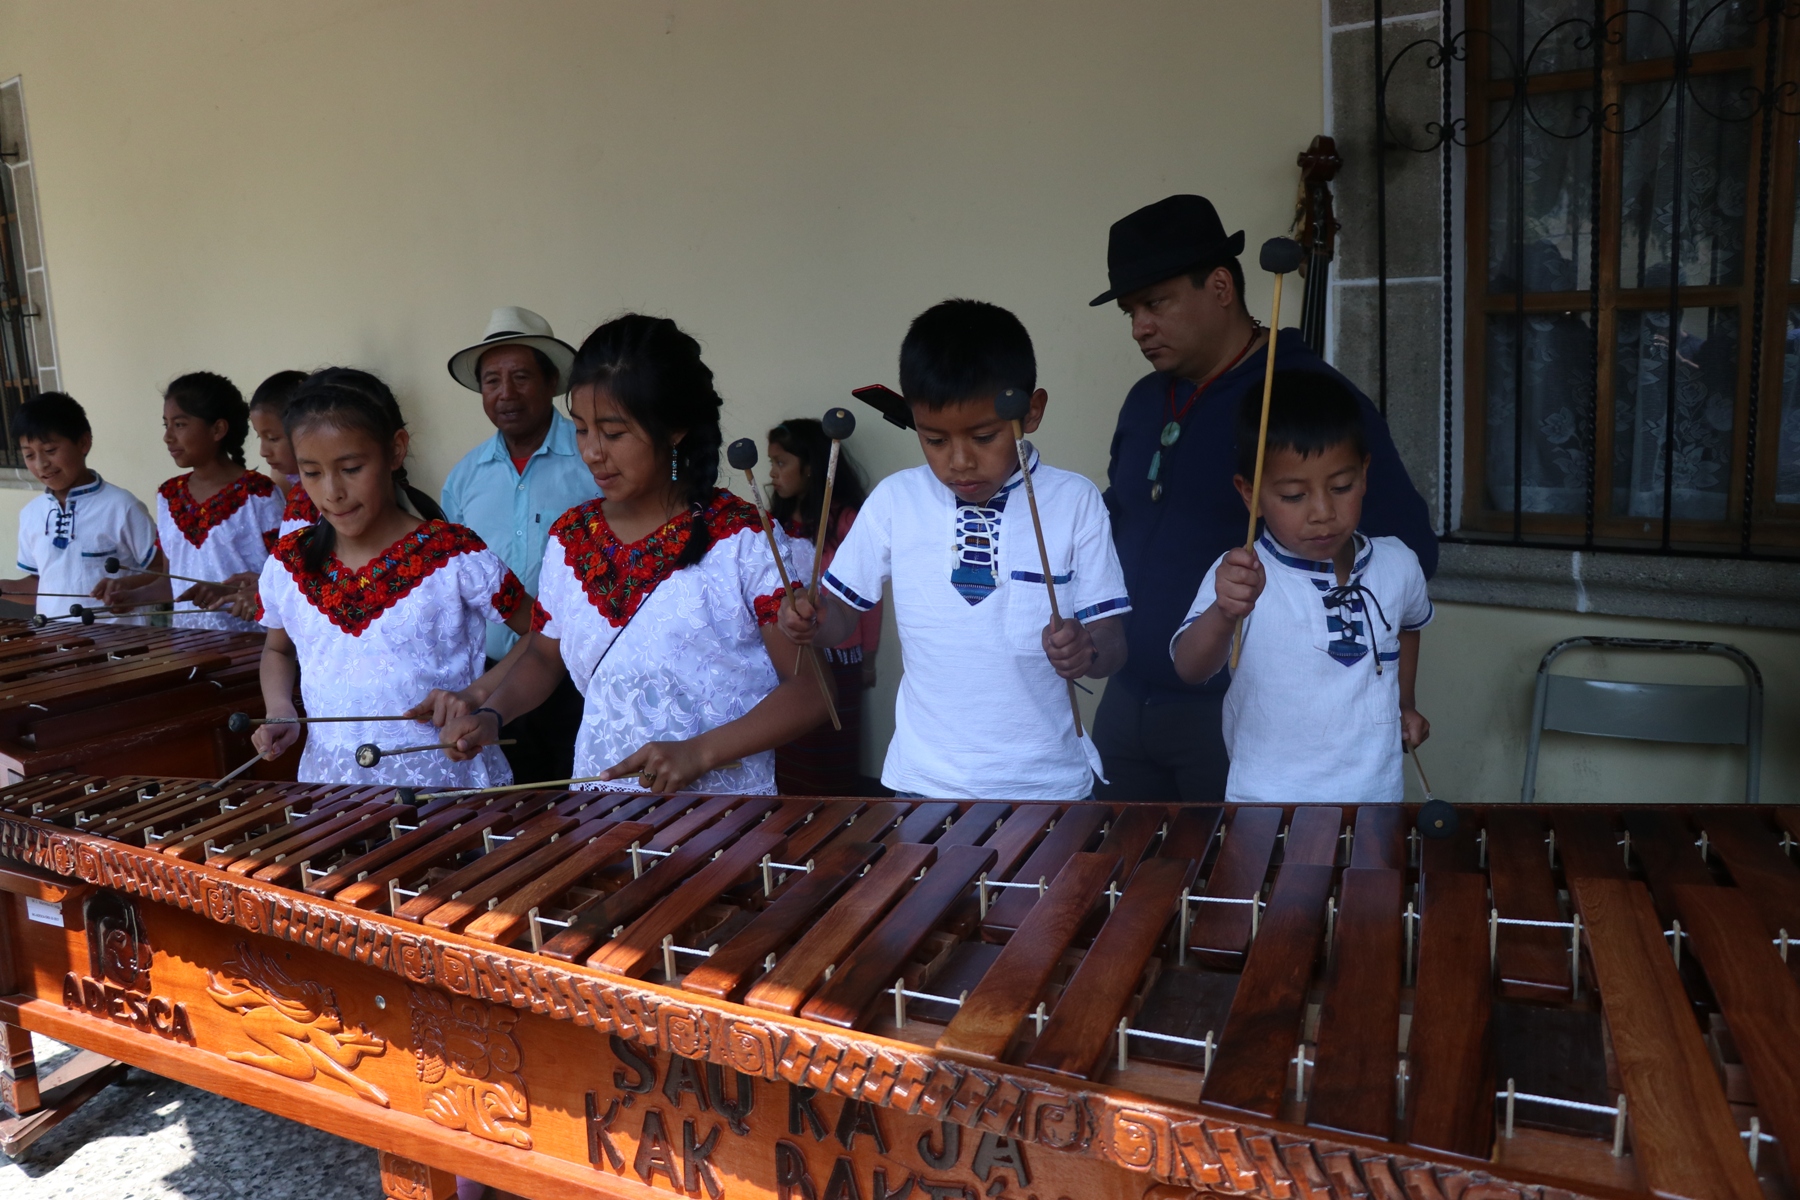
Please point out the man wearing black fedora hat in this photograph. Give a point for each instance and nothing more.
(1175, 273)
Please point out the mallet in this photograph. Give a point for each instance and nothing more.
(113, 567)
(742, 456)
(838, 424)
(1437, 818)
(368, 754)
(76, 613)
(414, 796)
(1014, 404)
(1280, 257)
(241, 722)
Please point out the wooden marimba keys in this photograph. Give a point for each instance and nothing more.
(598, 993)
(112, 697)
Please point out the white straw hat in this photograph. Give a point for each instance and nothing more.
(513, 326)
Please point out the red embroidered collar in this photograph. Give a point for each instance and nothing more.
(196, 519)
(352, 600)
(300, 507)
(618, 578)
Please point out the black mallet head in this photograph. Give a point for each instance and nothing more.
(741, 454)
(238, 722)
(39, 620)
(1281, 256)
(1437, 819)
(367, 755)
(112, 566)
(838, 423)
(87, 615)
(408, 796)
(1014, 404)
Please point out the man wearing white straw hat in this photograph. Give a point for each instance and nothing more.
(514, 485)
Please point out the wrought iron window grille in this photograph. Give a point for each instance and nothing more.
(1623, 74)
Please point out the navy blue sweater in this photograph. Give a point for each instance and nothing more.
(1166, 546)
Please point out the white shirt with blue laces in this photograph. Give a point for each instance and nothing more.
(1313, 713)
(981, 712)
(66, 544)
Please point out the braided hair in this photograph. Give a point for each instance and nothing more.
(654, 372)
(351, 399)
(210, 397)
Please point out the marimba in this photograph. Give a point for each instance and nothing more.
(625, 995)
(112, 697)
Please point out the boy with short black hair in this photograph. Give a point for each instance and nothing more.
(67, 533)
(1321, 703)
(983, 711)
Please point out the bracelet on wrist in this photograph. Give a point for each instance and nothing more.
(499, 720)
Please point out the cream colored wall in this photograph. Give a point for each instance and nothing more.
(246, 188)
(1477, 678)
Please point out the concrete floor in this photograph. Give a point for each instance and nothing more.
(152, 1139)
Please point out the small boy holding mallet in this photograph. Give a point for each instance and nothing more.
(1321, 702)
(984, 710)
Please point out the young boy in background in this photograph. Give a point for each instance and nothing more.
(1321, 703)
(983, 712)
(67, 533)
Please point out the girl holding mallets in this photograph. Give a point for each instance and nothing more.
(375, 605)
(660, 598)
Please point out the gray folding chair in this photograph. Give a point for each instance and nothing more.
(1711, 714)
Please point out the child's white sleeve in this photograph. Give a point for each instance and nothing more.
(1416, 609)
(863, 563)
(31, 527)
(759, 583)
(1203, 600)
(558, 589)
(137, 535)
(1098, 589)
(273, 587)
(489, 587)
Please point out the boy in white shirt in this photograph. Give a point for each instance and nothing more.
(983, 712)
(67, 533)
(1321, 704)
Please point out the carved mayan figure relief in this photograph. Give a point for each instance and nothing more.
(297, 1022)
(469, 1049)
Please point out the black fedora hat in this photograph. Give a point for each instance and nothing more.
(1162, 240)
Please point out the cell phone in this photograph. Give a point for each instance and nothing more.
(886, 401)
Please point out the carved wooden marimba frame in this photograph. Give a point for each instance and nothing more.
(626, 995)
(110, 698)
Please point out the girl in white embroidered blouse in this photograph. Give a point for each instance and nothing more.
(374, 606)
(660, 598)
(216, 521)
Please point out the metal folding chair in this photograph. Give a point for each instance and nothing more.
(1710, 714)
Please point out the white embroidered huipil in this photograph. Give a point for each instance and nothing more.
(376, 640)
(1309, 717)
(229, 532)
(981, 712)
(663, 654)
(66, 545)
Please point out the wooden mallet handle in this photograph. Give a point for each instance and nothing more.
(1280, 257)
(742, 455)
(838, 424)
(1014, 404)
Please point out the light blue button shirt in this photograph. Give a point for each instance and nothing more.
(513, 512)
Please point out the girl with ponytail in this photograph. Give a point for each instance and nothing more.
(217, 520)
(377, 604)
(659, 599)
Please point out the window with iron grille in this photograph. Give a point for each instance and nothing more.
(1631, 305)
(28, 358)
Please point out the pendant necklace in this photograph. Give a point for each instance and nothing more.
(1171, 431)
